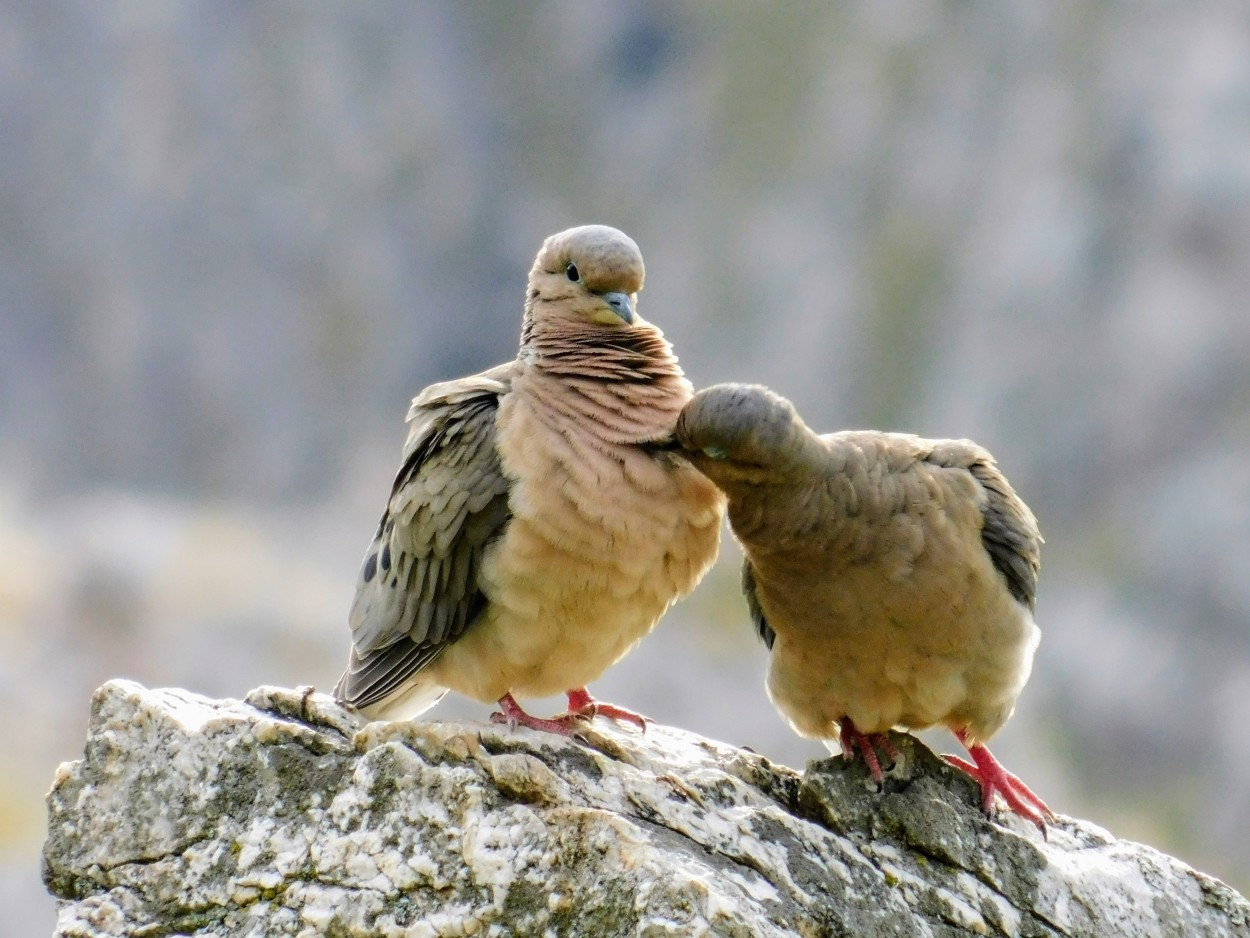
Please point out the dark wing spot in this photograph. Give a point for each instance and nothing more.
(371, 567)
(766, 633)
(1011, 541)
(386, 557)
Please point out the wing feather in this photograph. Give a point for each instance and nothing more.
(766, 633)
(418, 586)
(1009, 530)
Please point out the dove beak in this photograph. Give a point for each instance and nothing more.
(622, 304)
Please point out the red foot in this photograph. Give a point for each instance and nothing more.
(582, 708)
(514, 716)
(992, 777)
(856, 743)
(582, 704)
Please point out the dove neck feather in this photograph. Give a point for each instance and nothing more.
(776, 514)
(625, 380)
(639, 354)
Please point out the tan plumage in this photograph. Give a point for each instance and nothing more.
(892, 577)
(535, 532)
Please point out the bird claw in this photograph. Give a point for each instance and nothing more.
(508, 721)
(987, 772)
(582, 705)
(855, 743)
(513, 716)
(619, 714)
(582, 709)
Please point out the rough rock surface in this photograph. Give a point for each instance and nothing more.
(284, 814)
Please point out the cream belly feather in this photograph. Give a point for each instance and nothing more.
(911, 664)
(603, 537)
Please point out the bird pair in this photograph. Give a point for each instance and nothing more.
(548, 511)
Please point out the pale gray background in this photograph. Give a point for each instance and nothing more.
(236, 237)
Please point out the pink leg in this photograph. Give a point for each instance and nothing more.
(514, 716)
(865, 744)
(883, 740)
(992, 777)
(583, 705)
(582, 708)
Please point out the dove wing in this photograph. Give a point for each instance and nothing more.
(418, 587)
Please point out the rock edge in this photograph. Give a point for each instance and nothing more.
(285, 814)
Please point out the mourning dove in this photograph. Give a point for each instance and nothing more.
(534, 533)
(892, 577)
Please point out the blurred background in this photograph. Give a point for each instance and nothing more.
(237, 237)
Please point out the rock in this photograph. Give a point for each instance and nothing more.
(284, 814)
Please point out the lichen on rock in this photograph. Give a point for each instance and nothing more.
(284, 814)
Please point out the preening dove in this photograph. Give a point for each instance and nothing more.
(892, 577)
(534, 532)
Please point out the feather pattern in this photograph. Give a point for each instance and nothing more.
(892, 577)
(418, 587)
(534, 532)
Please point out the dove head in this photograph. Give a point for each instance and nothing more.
(742, 433)
(587, 274)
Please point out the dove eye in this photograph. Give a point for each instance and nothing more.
(571, 273)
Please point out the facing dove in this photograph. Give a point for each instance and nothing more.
(893, 578)
(534, 533)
